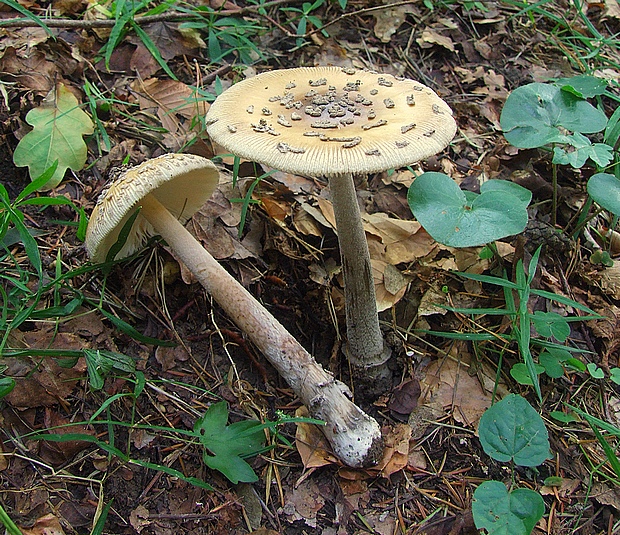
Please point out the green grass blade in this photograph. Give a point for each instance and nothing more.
(103, 516)
(11, 527)
(565, 301)
(136, 335)
(150, 46)
(478, 311)
(480, 337)
(489, 279)
(609, 452)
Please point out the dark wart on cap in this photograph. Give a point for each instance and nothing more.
(322, 121)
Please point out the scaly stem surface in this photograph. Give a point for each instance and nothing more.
(366, 348)
(354, 436)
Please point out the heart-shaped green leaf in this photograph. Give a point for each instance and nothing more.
(595, 371)
(604, 189)
(583, 86)
(506, 513)
(521, 374)
(511, 430)
(550, 324)
(580, 149)
(534, 114)
(551, 363)
(463, 219)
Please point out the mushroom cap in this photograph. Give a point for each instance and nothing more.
(326, 121)
(181, 182)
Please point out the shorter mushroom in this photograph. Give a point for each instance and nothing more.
(169, 189)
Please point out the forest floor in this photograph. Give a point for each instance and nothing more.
(120, 434)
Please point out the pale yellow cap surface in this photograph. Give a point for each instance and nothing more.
(325, 121)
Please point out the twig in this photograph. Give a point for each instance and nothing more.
(169, 16)
(355, 13)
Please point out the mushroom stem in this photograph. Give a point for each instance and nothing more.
(354, 436)
(366, 348)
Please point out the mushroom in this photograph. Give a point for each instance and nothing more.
(168, 190)
(337, 123)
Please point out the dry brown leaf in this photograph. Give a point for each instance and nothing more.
(303, 502)
(430, 301)
(57, 453)
(46, 525)
(276, 209)
(405, 396)
(612, 9)
(447, 385)
(388, 20)
(327, 210)
(324, 273)
(390, 284)
(172, 100)
(431, 37)
(566, 488)
(32, 70)
(311, 443)
(609, 279)
(139, 518)
(167, 357)
(606, 495)
(305, 223)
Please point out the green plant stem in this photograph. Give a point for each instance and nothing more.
(168, 16)
(554, 202)
(10, 526)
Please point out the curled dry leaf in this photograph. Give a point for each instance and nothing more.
(388, 20)
(311, 444)
(448, 386)
(431, 37)
(46, 525)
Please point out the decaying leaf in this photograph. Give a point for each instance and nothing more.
(612, 8)
(172, 101)
(609, 279)
(58, 126)
(311, 444)
(46, 525)
(448, 385)
(431, 37)
(390, 284)
(388, 20)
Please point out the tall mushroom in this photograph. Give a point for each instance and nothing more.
(169, 189)
(337, 123)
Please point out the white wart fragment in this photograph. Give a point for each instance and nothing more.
(285, 147)
(381, 122)
(283, 122)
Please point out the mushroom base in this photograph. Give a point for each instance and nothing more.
(371, 380)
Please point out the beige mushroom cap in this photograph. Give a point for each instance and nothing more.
(181, 182)
(322, 121)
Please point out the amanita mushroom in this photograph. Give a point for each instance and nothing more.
(336, 123)
(169, 189)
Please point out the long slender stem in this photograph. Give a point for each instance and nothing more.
(365, 341)
(354, 436)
